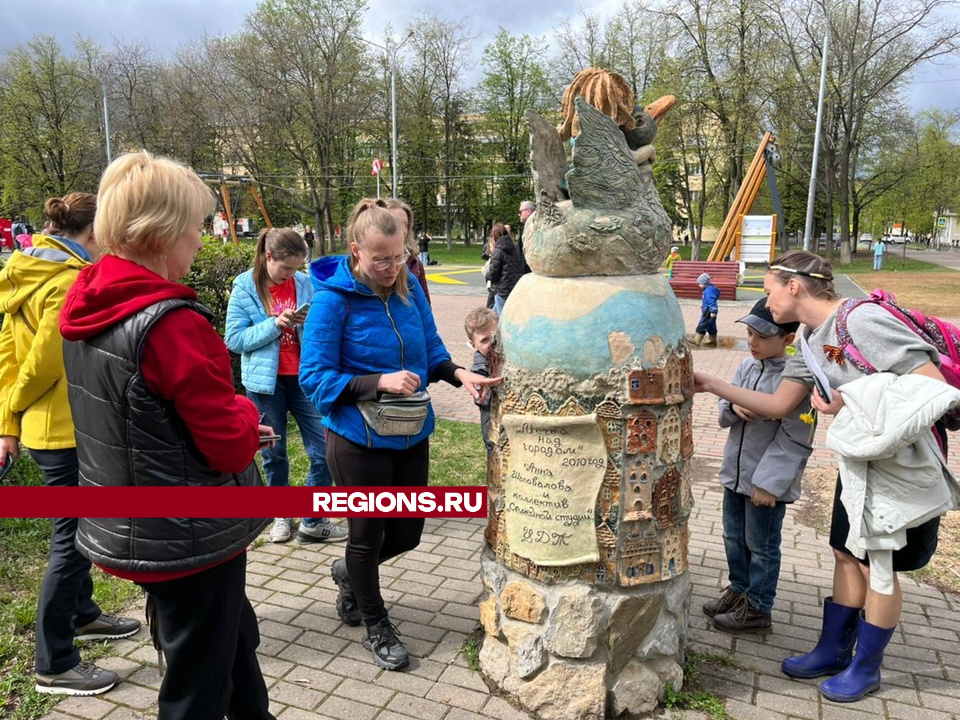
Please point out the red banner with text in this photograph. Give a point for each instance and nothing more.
(243, 502)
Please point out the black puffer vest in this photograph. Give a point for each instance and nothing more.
(127, 436)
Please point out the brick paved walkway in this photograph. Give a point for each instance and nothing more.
(316, 667)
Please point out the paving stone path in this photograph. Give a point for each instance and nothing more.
(317, 668)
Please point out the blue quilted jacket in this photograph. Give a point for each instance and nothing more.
(352, 332)
(254, 335)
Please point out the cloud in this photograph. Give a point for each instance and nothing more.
(166, 25)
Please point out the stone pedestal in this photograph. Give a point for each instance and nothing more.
(585, 569)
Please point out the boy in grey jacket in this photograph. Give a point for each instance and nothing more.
(763, 462)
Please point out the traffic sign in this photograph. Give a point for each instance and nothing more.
(941, 222)
(376, 166)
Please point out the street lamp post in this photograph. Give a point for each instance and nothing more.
(393, 105)
(106, 111)
(808, 241)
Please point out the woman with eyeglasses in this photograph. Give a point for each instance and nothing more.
(370, 343)
(891, 524)
(404, 213)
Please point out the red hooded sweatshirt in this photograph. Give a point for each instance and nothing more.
(184, 359)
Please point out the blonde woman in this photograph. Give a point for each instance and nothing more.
(153, 398)
(370, 333)
(404, 213)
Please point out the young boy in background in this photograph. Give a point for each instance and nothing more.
(709, 308)
(481, 327)
(671, 259)
(763, 461)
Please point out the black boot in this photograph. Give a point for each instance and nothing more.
(383, 641)
(347, 607)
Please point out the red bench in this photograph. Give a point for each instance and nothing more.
(725, 275)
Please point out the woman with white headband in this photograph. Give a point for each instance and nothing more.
(865, 606)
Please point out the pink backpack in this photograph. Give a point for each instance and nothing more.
(944, 336)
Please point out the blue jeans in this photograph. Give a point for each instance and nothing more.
(498, 302)
(66, 593)
(877, 262)
(751, 538)
(289, 397)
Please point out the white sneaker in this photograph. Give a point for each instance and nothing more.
(281, 531)
(324, 532)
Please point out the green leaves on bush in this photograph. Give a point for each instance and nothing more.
(213, 271)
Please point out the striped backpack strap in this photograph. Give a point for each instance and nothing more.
(847, 347)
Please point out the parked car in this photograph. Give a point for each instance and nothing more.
(866, 239)
(823, 241)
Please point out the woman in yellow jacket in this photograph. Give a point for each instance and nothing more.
(34, 411)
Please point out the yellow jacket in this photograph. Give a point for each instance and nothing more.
(33, 384)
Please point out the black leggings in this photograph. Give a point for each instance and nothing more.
(375, 540)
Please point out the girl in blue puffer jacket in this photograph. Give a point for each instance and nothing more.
(265, 325)
(371, 332)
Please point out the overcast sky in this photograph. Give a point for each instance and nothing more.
(164, 25)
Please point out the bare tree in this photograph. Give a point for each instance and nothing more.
(725, 44)
(876, 44)
(444, 46)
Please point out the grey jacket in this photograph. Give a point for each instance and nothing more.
(768, 454)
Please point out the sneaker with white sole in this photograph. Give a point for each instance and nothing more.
(84, 679)
(282, 530)
(324, 532)
(107, 627)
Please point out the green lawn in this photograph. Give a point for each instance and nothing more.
(25, 543)
(457, 457)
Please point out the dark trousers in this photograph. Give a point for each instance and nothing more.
(707, 324)
(372, 541)
(209, 635)
(66, 593)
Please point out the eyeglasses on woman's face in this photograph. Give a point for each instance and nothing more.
(386, 264)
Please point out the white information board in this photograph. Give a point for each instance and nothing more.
(756, 238)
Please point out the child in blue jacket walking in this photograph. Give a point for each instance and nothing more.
(708, 312)
(265, 319)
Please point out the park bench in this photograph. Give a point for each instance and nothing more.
(725, 275)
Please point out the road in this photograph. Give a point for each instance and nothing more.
(945, 258)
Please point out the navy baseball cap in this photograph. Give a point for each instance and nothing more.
(761, 320)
